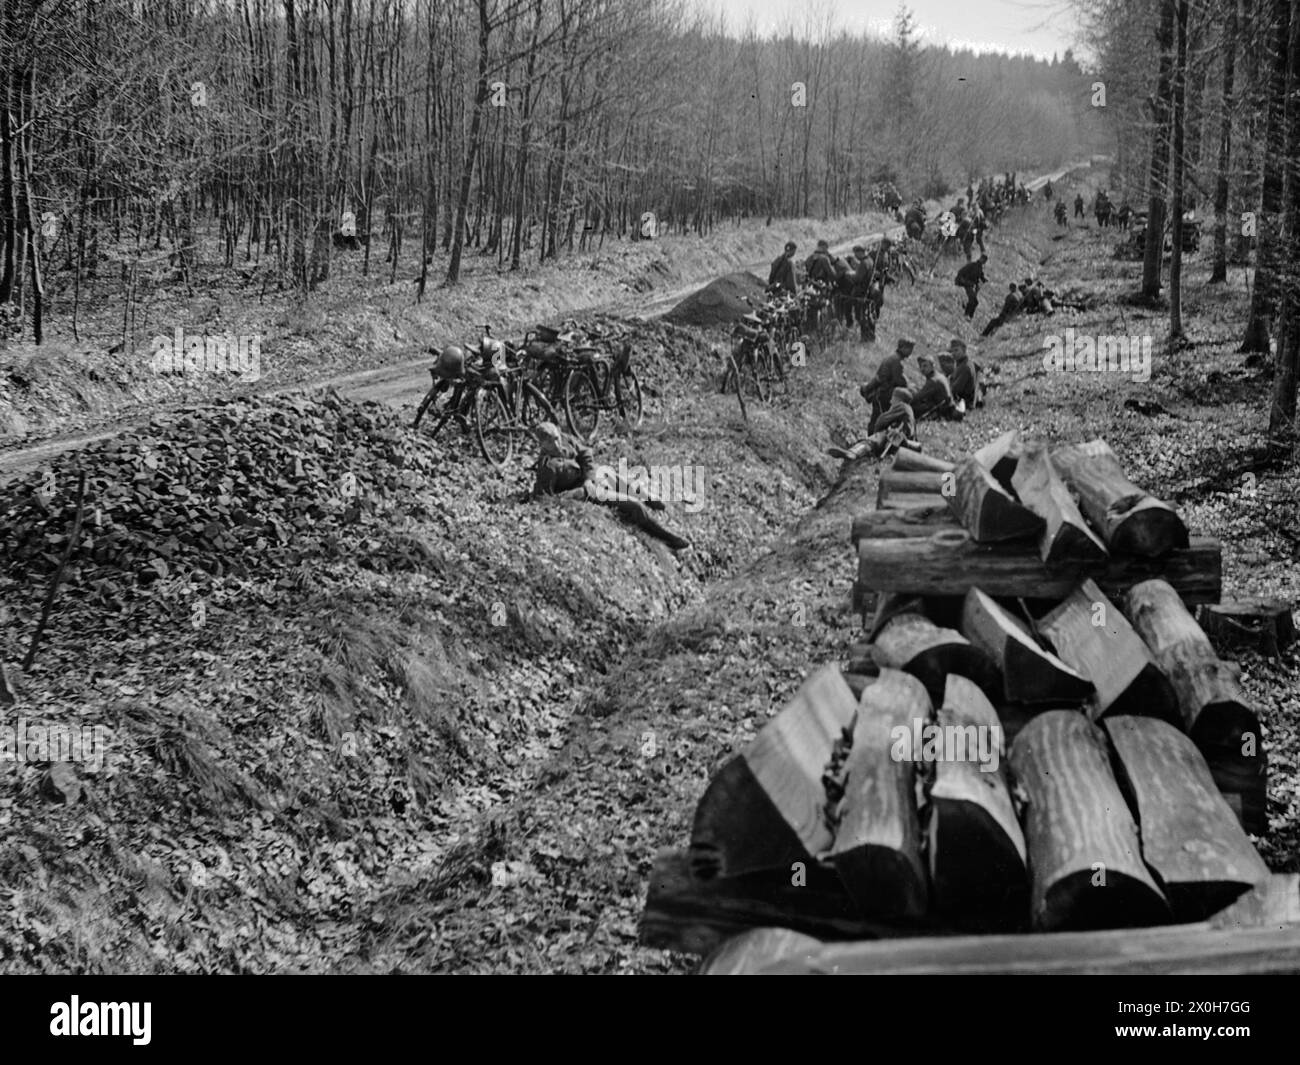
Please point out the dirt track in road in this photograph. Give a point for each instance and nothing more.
(402, 384)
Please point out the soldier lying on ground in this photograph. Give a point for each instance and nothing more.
(894, 427)
(1011, 304)
(566, 467)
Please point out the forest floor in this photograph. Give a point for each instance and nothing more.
(447, 731)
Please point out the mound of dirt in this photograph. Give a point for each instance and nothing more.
(720, 302)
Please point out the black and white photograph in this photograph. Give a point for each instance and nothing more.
(650, 487)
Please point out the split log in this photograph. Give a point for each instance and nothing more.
(684, 912)
(1000, 457)
(889, 606)
(888, 498)
(918, 482)
(1216, 711)
(1263, 625)
(1093, 637)
(916, 645)
(901, 525)
(976, 850)
(877, 849)
(1190, 837)
(906, 460)
(764, 809)
(949, 565)
(1066, 536)
(1029, 674)
(986, 510)
(1129, 519)
(1086, 864)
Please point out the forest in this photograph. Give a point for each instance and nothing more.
(151, 139)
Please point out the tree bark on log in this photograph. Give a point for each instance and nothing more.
(764, 809)
(1084, 854)
(1029, 674)
(906, 525)
(1093, 637)
(916, 482)
(976, 850)
(877, 849)
(1129, 519)
(987, 511)
(908, 461)
(1216, 711)
(1191, 839)
(910, 502)
(945, 565)
(916, 645)
(1066, 536)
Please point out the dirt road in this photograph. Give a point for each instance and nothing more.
(402, 384)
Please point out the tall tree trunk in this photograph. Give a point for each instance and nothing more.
(1180, 165)
(1282, 410)
(1155, 243)
(1263, 301)
(1221, 188)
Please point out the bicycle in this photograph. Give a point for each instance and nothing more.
(584, 380)
(496, 402)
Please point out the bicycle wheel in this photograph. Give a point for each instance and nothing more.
(443, 403)
(492, 426)
(627, 393)
(534, 408)
(582, 404)
(756, 373)
(731, 381)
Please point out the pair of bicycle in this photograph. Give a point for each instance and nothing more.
(504, 391)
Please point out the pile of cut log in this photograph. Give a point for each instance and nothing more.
(1036, 734)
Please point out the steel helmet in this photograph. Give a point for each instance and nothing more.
(451, 362)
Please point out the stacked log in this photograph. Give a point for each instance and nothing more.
(883, 802)
(1093, 637)
(1216, 711)
(1130, 520)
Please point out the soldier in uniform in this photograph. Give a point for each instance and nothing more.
(781, 276)
(565, 467)
(889, 376)
(969, 279)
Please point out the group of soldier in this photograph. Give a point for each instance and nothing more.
(946, 390)
(1102, 209)
(855, 284)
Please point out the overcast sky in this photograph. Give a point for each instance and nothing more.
(1038, 26)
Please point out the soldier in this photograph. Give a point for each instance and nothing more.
(889, 376)
(934, 398)
(1078, 206)
(969, 278)
(895, 425)
(964, 379)
(565, 467)
(1011, 305)
(1125, 213)
(781, 276)
(1061, 218)
(818, 266)
(914, 220)
(1047, 191)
